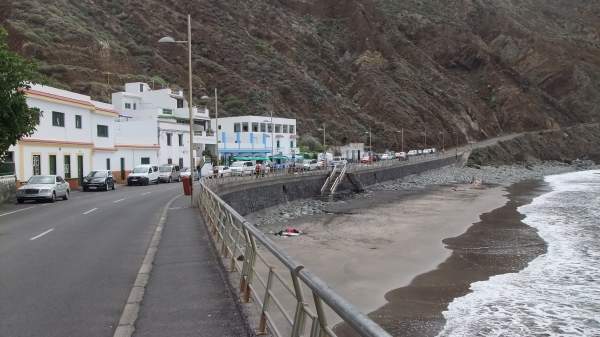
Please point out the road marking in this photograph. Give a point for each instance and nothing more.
(41, 234)
(146, 193)
(116, 201)
(19, 210)
(90, 211)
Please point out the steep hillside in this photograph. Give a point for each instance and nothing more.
(479, 67)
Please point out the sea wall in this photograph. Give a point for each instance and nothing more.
(252, 196)
(7, 188)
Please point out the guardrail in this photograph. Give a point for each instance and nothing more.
(275, 282)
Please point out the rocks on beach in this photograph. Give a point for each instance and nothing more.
(278, 217)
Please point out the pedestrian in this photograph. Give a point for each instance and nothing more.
(257, 169)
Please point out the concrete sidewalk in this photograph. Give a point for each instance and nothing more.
(188, 293)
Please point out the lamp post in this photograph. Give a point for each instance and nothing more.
(168, 39)
(217, 123)
(401, 132)
(370, 145)
(324, 148)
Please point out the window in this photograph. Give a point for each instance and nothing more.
(108, 164)
(52, 164)
(277, 128)
(67, 165)
(169, 135)
(263, 127)
(37, 165)
(245, 127)
(179, 103)
(236, 127)
(102, 130)
(292, 144)
(285, 128)
(180, 162)
(169, 161)
(145, 160)
(58, 118)
(219, 127)
(134, 106)
(254, 127)
(78, 121)
(278, 144)
(141, 87)
(180, 138)
(127, 105)
(292, 127)
(167, 111)
(270, 127)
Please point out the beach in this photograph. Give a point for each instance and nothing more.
(405, 249)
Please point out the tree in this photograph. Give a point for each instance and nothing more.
(17, 120)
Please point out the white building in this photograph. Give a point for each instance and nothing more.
(256, 136)
(164, 114)
(76, 135)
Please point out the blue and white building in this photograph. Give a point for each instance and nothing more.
(256, 136)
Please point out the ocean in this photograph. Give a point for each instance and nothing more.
(558, 293)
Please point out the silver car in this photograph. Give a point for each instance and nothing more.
(44, 188)
(169, 173)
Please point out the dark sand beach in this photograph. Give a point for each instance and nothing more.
(499, 243)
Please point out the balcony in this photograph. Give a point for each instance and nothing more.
(205, 137)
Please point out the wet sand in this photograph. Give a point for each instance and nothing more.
(499, 243)
(367, 247)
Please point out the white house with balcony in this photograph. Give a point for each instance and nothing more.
(256, 136)
(164, 113)
(76, 135)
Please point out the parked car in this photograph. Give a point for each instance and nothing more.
(385, 156)
(413, 152)
(311, 165)
(400, 155)
(338, 161)
(143, 175)
(169, 173)
(242, 168)
(98, 180)
(44, 188)
(221, 171)
(186, 172)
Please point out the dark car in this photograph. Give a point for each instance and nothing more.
(98, 180)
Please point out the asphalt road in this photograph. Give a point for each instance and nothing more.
(66, 268)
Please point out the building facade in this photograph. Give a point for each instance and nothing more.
(75, 135)
(256, 136)
(164, 113)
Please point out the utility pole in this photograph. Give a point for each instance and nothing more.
(425, 138)
(217, 122)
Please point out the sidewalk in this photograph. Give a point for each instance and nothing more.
(188, 294)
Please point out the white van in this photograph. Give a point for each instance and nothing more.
(143, 175)
(242, 168)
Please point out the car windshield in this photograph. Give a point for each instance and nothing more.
(97, 174)
(41, 180)
(165, 169)
(185, 169)
(237, 164)
(140, 170)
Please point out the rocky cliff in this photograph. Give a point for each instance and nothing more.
(476, 67)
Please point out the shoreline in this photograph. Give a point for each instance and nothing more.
(499, 243)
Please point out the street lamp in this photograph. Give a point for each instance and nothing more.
(401, 132)
(370, 145)
(168, 39)
(324, 148)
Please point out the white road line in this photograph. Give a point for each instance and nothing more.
(19, 210)
(90, 211)
(116, 201)
(41, 234)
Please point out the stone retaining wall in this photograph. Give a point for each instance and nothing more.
(8, 187)
(249, 197)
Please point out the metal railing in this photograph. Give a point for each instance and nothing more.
(339, 179)
(329, 177)
(274, 282)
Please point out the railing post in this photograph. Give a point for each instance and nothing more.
(252, 259)
(262, 326)
(320, 313)
(245, 267)
(299, 316)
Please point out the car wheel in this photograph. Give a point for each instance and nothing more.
(20, 201)
(53, 197)
(85, 189)
(106, 186)
(66, 197)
